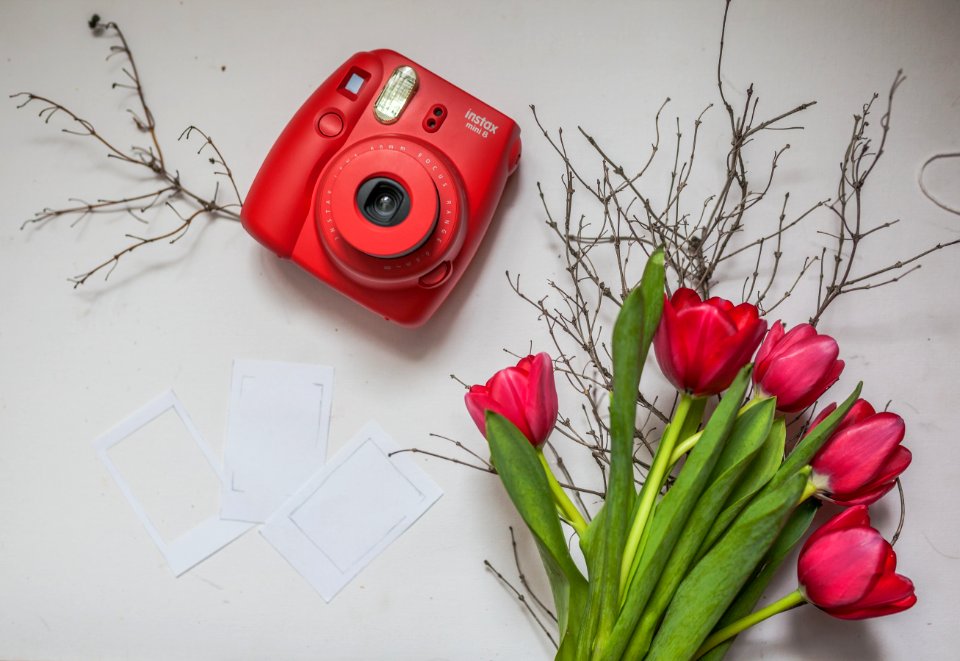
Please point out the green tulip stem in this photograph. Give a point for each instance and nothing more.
(689, 443)
(684, 447)
(567, 509)
(651, 487)
(792, 600)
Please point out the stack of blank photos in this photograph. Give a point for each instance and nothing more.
(327, 519)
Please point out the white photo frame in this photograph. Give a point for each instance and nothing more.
(350, 511)
(277, 429)
(205, 539)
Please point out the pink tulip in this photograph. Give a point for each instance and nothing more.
(848, 570)
(526, 395)
(796, 367)
(701, 345)
(863, 458)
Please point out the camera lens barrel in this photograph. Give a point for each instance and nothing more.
(389, 210)
(383, 201)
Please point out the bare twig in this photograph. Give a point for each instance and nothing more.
(523, 600)
(486, 468)
(523, 579)
(170, 187)
(903, 513)
(605, 218)
(859, 161)
(173, 236)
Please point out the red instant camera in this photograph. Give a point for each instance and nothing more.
(383, 184)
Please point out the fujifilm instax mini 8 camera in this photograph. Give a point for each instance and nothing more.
(384, 183)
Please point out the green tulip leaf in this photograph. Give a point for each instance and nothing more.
(761, 469)
(674, 509)
(522, 475)
(713, 584)
(745, 602)
(750, 432)
(632, 335)
(793, 531)
(590, 540)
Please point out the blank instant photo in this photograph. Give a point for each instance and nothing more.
(277, 430)
(350, 511)
(159, 454)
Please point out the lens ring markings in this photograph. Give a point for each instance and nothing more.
(403, 161)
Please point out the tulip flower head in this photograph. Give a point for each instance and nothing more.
(847, 569)
(526, 395)
(796, 367)
(861, 461)
(701, 345)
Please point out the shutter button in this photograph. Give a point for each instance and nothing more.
(437, 276)
(330, 124)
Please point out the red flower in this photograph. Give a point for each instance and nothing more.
(796, 367)
(701, 345)
(526, 395)
(862, 459)
(848, 570)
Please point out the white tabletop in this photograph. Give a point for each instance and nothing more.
(79, 576)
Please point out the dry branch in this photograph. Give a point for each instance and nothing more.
(168, 186)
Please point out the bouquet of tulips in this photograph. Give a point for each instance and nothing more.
(675, 571)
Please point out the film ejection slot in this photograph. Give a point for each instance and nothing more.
(395, 95)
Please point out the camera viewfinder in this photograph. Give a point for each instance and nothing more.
(353, 82)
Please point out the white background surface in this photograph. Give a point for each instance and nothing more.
(78, 574)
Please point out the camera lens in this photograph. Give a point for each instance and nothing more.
(385, 205)
(383, 201)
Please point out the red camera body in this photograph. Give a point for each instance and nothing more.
(384, 183)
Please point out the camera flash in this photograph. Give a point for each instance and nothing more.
(395, 95)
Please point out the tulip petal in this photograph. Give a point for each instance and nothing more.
(684, 298)
(892, 593)
(827, 410)
(701, 330)
(852, 457)
(842, 566)
(896, 463)
(743, 315)
(848, 569)
(729, 355)
(882, 483)
(797, 335)
(721, 304)
(795, 372)
(866, 496)
(541, 398)
(877, 611)
(828, 379)
(701, 345)
(855, 517)
(669, 357)
(861, 410)
(508, 389)
(773, 337)
(507, 384)
(780, 343)
(478, 401)
(525, 364)
(813, 392)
